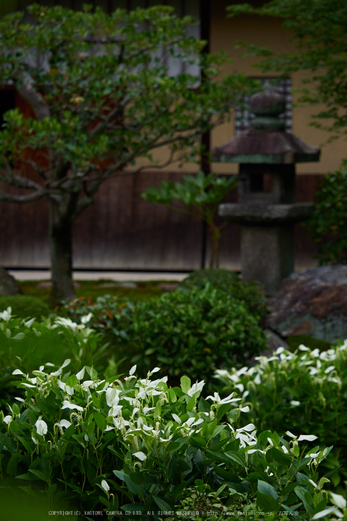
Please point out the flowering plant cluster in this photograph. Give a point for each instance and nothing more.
(136, 445)
(24, 343)
(304, 391)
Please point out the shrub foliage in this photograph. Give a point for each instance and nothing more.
(329, 220)
(137, 445)
(304, 392)
(197, 331)
(229, 281)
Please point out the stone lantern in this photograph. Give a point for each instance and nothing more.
(266, 208)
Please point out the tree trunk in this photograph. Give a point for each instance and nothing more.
(60, 240)
(215, 240)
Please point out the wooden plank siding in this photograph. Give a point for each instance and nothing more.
(123, 231)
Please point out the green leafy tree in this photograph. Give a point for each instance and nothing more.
(319, 29)
(101, 97)
(328, 223)
(201, 194)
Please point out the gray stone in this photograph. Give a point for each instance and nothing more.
(267, 255)
(130, 285)
(8, 284)
(168, 286)
(263, 214)
(312, 302)
(47, 284)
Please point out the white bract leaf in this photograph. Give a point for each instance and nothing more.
(86, 318)
(132, 370)
(18, 336)
(195, 388)
(140, 455)
(105, 485)
(80, 374)
(112, 396)
(69, 405)
(8, 419)
(41, 427)
(338, 500)
(17, 371)
(6, 315)
(307, 437)
(64, 423)
(177, 418)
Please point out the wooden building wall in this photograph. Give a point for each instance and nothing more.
(123, 231)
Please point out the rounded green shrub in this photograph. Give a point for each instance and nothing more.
(196, 331)
(229, 281)
(25, 306)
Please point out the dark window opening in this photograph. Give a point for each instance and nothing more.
(7, 102)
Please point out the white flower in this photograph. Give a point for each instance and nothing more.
(67, 322)
(18, 371)
(105, 485)
(155, 370)
(30, 322)
(66, 388)
(217, 399)
(8, 419)
(140, 455)
(132, 370)
(69, 405)
(294, 403)
(41, 427)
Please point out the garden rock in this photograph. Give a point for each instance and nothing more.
(8, 284)
(312, 302)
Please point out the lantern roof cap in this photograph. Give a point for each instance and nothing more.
(266, 140)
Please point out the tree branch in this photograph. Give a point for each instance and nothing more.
(35, 100)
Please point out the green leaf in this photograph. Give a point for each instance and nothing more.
(39, 474)
(185, 384)
(134, 507)
(267, 503)
(162, 504)
(278, 456)
(266, 488)
(237, 457)
(100, 421)
(28, 477)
